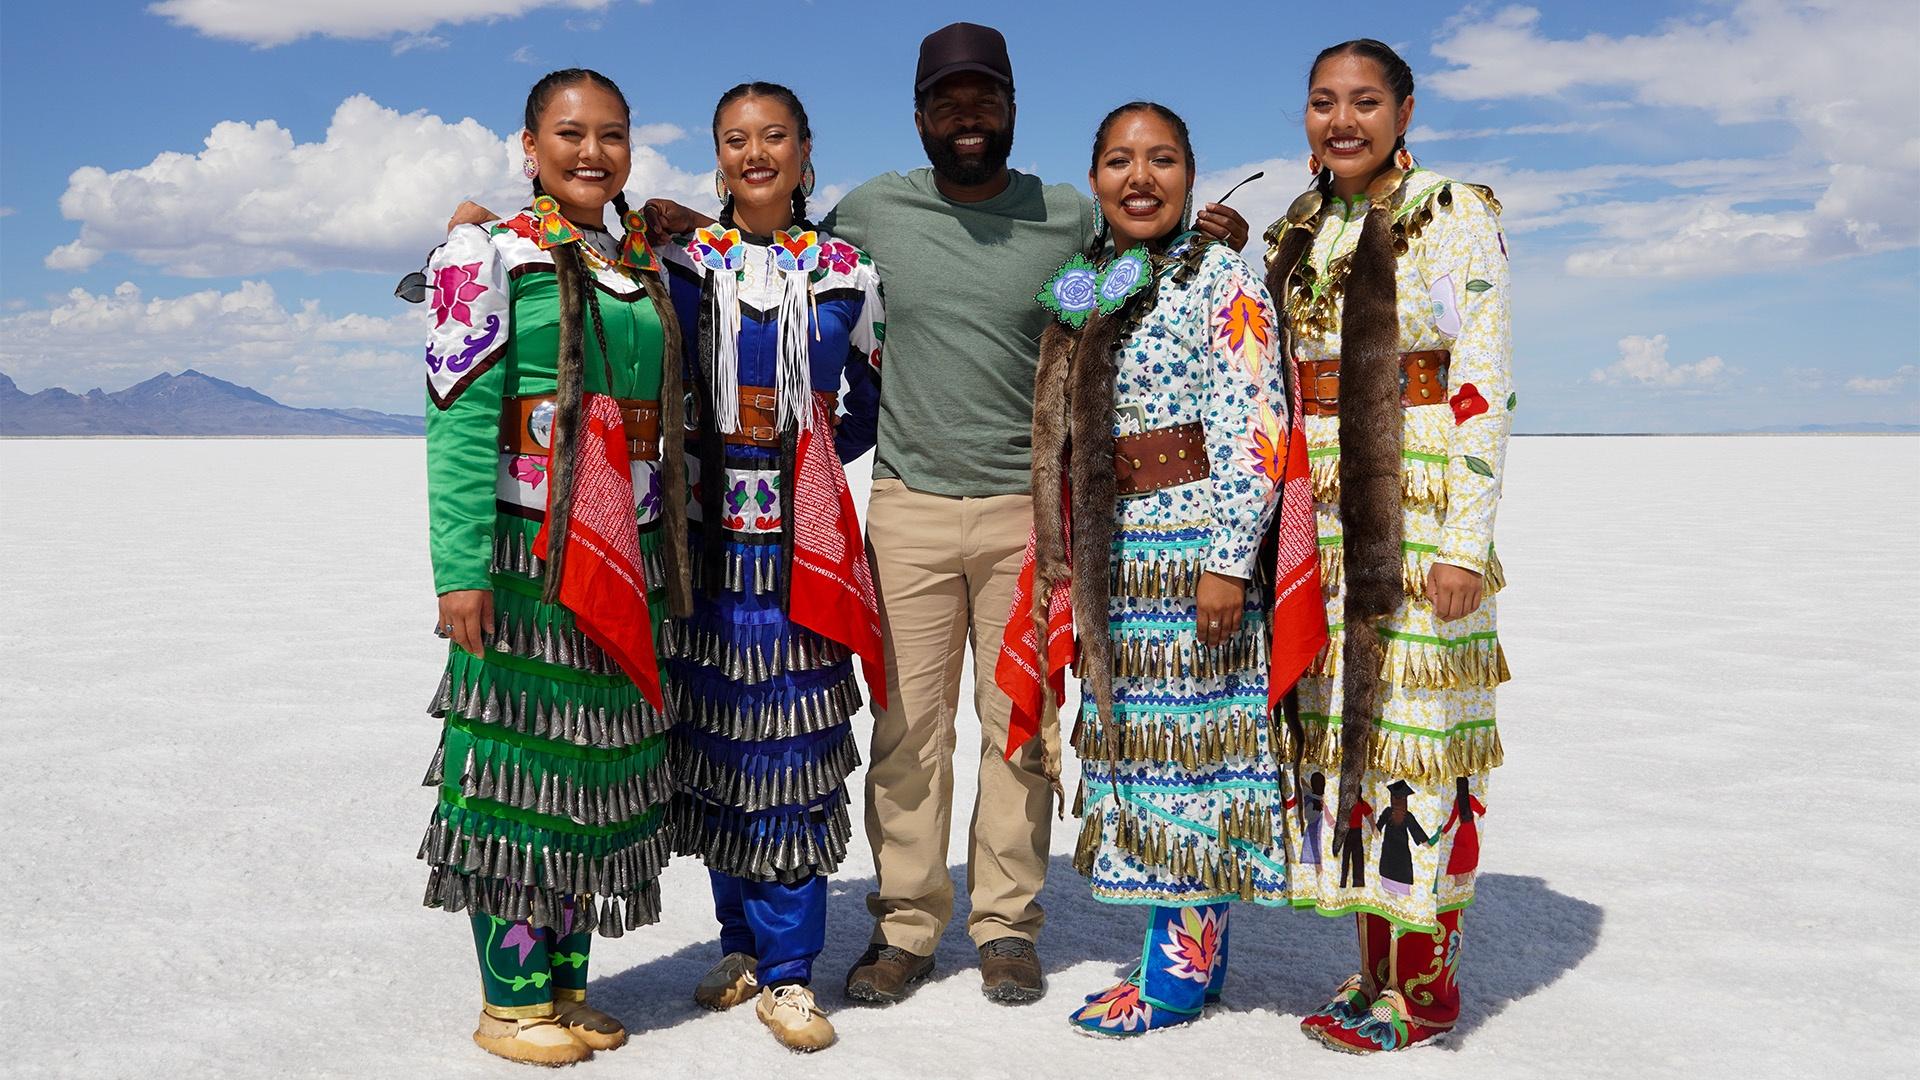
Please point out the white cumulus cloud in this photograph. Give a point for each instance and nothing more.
(1904, 378)
(257, 22)
(373, 194)
(1643, 362)
(1830, 71)
(299, 354)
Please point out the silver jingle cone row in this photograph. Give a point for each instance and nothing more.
(557, 795)
(492, 875)
(782, 715)
(797, 650)
(566, 721)
(512, 554)
(801, 785)
(550, 645)
(755, 570)
(786, 852)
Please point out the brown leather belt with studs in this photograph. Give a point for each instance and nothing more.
(759, 415)
(1423, 381)
(1161, 458)
(526, 426)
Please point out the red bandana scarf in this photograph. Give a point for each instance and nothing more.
(602, 582)
(832, 590)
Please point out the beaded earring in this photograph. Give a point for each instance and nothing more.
(807, 179)
(529, 167)
(720, 184)
(1313, 164)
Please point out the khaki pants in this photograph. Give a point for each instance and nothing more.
(945, 568)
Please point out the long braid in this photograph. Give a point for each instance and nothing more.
(567, 392)
(673, 433)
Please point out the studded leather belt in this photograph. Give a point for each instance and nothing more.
(1423, 381)
(1162, 458)
(526, 426)
(759, 414)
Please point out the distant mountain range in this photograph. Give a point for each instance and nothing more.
(190, 403)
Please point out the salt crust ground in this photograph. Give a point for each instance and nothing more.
(1700, 854)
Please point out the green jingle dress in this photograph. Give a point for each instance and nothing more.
(552, 773)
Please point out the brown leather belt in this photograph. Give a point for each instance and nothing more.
(527, 428)
(1423, 381)
(1162, 458)
(759, 416)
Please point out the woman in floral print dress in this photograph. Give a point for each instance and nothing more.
(1160, 404)
(1393, 284)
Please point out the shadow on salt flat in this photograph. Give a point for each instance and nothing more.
(1521, 937)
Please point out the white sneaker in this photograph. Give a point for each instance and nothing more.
(730, 983)
(795, 1019)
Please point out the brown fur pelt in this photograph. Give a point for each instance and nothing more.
(1049, 466)
(673, 440)
(1370, 511)
(568, 386)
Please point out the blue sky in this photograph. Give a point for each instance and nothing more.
(1711, 206)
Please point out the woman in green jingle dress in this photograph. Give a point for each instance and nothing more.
(555, 536)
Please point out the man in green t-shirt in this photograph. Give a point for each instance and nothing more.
(962, 248)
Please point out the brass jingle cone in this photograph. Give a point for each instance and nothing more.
(1305, 207)
(1381, 191)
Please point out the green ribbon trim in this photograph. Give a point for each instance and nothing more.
(555, 672)
(1388, 725)
(646, 824)
(1405, 455)
(1445, 643)
(652, 744)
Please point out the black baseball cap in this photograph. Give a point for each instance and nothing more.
(961, 47)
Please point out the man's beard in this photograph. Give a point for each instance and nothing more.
(969, 171)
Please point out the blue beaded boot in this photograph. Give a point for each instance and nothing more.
(1178, 962)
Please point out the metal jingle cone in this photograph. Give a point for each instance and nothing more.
(1305, 206)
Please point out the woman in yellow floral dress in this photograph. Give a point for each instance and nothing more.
(1394, 283)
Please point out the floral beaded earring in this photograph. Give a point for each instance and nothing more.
(530, 168)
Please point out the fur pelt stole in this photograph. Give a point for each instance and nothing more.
(1370, 434)
(1073, 469)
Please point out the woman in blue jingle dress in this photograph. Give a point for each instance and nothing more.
(783, 370)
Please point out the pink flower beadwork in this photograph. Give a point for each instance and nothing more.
(839, 256)
(453, 288)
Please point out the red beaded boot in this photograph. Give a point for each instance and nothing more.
(1422, 999)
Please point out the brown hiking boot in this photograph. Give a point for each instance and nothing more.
(1010, 971)
(886, 974)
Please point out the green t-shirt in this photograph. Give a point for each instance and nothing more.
(963, 329)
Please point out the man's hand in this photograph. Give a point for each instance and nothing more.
(1222, 223)
(666, 218)
(470, 213)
